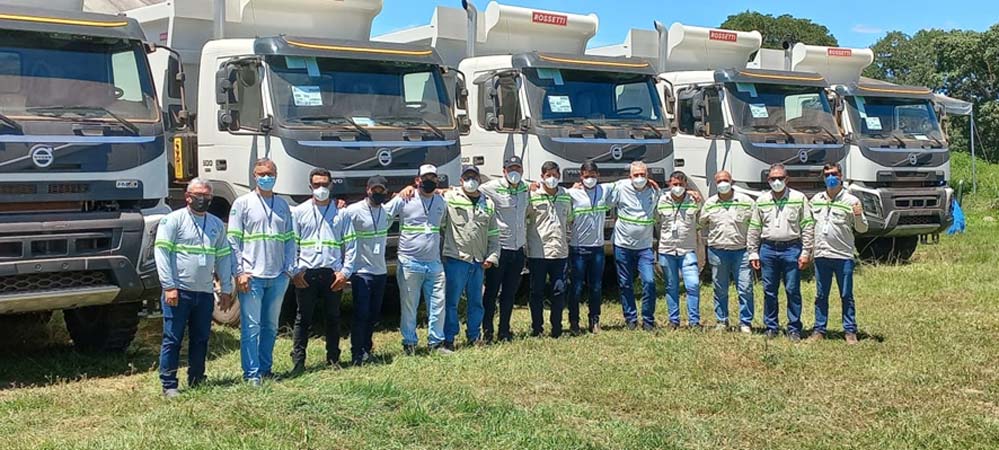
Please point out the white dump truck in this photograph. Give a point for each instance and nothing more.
(82, 170)
(534, 93)
(730, 117)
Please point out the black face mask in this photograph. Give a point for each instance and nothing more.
(200, 204)
(378, 198)
(428, 186)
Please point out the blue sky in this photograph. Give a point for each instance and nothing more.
(854, 23)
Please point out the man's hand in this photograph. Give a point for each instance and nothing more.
(407, 193)
(341, 203)
(653, 183)
(858, 210)
(171, 297)
(659, 269)
(803, 262)
(535, 186)
(339, 283)
(577, 185)
(755, 264)
(695, 195)
(243, 282)
(226, 301)
(299, 280)
(487, 265)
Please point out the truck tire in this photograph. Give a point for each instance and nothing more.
(104, 328)
(228, 318)
(887, 250)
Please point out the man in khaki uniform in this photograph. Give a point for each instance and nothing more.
(548, 248)
(780, 242)
(725, 216)
(837, 215)
(677, 213)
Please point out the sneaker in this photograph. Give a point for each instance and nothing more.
(555, 334)
(851, 339)
(745, 329)
(299, 368)
(575, 330)
(595, 328)
(648, 327)
(254, 382)
(366, 357)
(721, 327)
(171, 393)
(632, 326)
(440, 350)
(770, 334)
(487, 337)
(794, 336)
(449, 346)
(816, 336)
(409, 350)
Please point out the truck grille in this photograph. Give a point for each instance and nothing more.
(919, 220)
(52, 281)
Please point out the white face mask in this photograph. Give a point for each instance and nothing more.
(470, 185)
(639, 182)
(777, 185)
(724, 187)
(677, 191)
(321, 193)
(513, 177)
(551, 182)
(590, 182)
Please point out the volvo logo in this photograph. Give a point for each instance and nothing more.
(803, 156)
(913, 159)
(385, 157)
(42, 156)
(617, 152)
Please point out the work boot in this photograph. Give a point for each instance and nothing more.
(595, 327)
(299, 368)
(449, 346)
(409, 350)
(440, 349)
(721, 327)
(673, 326)
(816, 336)
(851, 339)
(650, 327)
(794, 336)
(632, 326)
(574, 329)
(171, 393)
(770, 334)
(745, 329)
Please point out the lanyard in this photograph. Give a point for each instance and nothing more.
(596, 195)
(201, 231)
(677, 207)
(428, 208)
(320, 221)
(270, 210)
(374, 221)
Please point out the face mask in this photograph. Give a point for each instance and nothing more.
(321, 193)
(724, 187)
(513, 177)
(777, 185)
(589, 182)
(470, 185)
(639, 182)
(832, 182)
(200, 204)
(551, 182)
(677, 191)
(378, 198)
(428, 186)
(266, 182)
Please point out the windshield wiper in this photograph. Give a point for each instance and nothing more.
(61, 110)
(437, 131)
(646, 125)
(818, 127)
(938, 141)
(360, 129)
(11, 123)
(595, 126)
(786, 133)
(900, 140)
(411, 122)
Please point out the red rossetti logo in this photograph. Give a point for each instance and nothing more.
(550, 19)
(839, 52)
(725, 36)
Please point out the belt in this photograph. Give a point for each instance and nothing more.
(782, 244)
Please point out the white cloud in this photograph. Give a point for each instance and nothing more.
(866, 29)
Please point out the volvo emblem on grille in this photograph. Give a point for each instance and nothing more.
(385, 156)
(42, 156)
(617, 152)
(803, 156)
(913, 159)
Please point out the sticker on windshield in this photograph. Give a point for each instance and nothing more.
(749, 88)
(873, 123)
(559, 103)
(551, 74)
(920, 137)
(758, 110)
(364, 121)
(307, 95)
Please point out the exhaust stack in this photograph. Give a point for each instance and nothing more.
(473, 27)
(663, 34)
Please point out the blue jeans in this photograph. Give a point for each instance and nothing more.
(194, 311)
(587, 264)
(367, 292)
(414, 278)
(685, 267)
(462, 278)
(544, 273)
(259, 311)
(825, 268)
(641, 263)
(728, 265)
(502, 281)
(780, 263)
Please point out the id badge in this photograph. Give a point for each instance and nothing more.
(826, 227)
(378, 249)
(203, 260)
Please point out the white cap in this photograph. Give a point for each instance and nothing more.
(428, 169)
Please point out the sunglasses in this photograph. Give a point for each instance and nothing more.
(777, 178)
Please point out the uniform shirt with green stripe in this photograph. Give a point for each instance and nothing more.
(785, 219)
(678, 224)
(511, 204)
(727, 221)
(365, 236)
(835, 224)
(548, 224)
(419, 226)
(262, 236)
(471, 229)
(318, 233)
(589, 215)
(190, 250)
(636, 215)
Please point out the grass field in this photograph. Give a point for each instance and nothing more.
(925, 375)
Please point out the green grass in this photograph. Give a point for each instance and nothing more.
(925, 376)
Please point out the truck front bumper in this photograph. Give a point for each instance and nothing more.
(897, 212)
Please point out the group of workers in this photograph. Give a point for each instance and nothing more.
(474, 241)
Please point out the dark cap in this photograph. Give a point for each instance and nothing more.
(513, 161)
(377, 181)
(466, 169)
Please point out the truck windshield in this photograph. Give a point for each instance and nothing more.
(566, 96)
(44, 75)
(781, 109)
(884, 117)
(317, 92)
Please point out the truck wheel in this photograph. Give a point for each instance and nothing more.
(228, 318)
(887, 250)
(104, 328)
(904, 248)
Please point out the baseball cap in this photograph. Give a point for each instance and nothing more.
(428, 169)
(377, 181)
(513, 161)
(466, 169)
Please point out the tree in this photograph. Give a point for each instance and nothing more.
(776, 30)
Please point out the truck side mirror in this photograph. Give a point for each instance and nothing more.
(713, 111)
(670, 101)
(507, 103)
(460, 94)
(226, 92)
(464, 124)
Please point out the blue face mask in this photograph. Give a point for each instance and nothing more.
(266, 183)
(832, 182)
